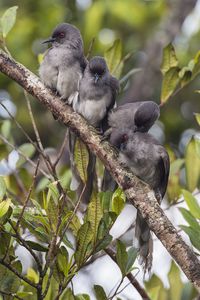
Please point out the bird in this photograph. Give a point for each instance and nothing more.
(97, 93)
(64, 62)
(134, 116)
(149, 161)
(96, 97)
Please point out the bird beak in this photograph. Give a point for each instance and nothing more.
(96, 78)
(50, 40)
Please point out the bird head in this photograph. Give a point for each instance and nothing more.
(98, 68)
(65, 34)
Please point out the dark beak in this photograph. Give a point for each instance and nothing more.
(50, 40)
(96, 78)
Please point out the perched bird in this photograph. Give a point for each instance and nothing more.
(64, 62)
(136, 117)
(148, 160)
(96, 97)
(97, 93)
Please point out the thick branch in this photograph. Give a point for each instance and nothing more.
(136, 191)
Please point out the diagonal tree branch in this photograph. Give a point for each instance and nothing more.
(136, 190)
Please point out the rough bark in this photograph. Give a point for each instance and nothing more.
(136, 191)
(146, 83)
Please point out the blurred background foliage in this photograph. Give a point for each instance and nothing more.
(135, 22)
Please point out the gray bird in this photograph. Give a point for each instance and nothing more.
(97, 94)
(149, 161)
(136, 117)
(64, 63)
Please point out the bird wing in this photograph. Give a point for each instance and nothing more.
(163, 166)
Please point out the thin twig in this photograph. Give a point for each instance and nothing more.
(8, 266)
(24, 156)
(10, 294)
(25, 245)
(51, 167)
(131, 278)
(90, 47)
(28, 195)
(62, 148)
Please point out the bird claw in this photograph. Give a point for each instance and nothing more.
(106, 135)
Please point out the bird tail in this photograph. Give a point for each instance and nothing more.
(108, 183)
(145, 243)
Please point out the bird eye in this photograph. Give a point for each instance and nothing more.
(124, 138)
(62, 35)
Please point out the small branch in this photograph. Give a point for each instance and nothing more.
(8, 266)
(24, 156)
(62, 148)
(25, 245)
(28, 196)
(131, 278)
(10, 294)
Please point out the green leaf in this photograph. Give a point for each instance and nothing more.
(36, 246)
(4, 242)
(94, 215)
(196, 65)
(75, 224)
(23, 295)
(32, 275)
(121, 257)
(169, 59)
(192, 203)
(4, 206)
(189, 218)
(84, 239)
(174, 277)
(63, 261)
(68, 295)
(118, 201)
(155, 289)
(192, 164)
(169, 84)
(81, 158)
(8, 20)
(100, 293)
(6, 128)
(106, 199)
(104, 243)
(193, 235)
(197, 116)
(132, 254)
(113, 56)
(27, 150)
(2, 188)
(82, 297)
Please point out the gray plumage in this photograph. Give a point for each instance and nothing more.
(135, 116)
(97, 94)
(142, 153)
(148, 160)
(64, 63)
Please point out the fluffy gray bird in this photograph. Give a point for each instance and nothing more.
(97, 94)
(148, 160)
(136, 117)
(64, 63)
